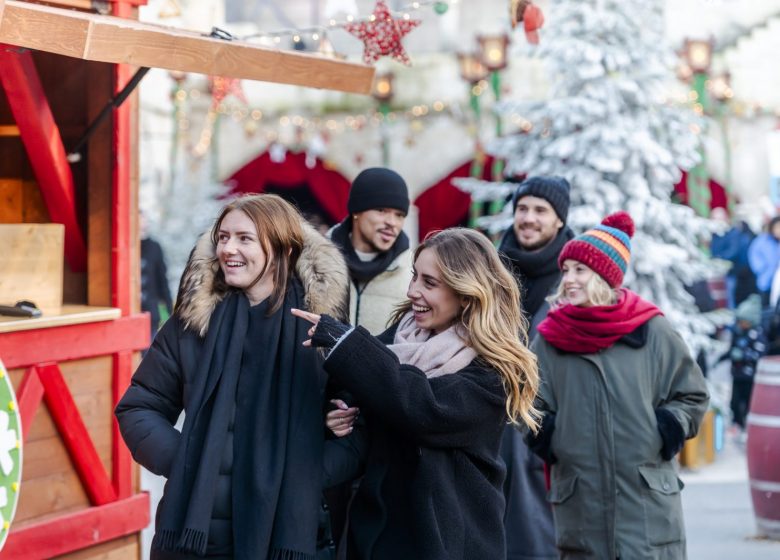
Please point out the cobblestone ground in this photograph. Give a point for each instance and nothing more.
(716, 500)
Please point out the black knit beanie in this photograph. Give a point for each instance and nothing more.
(378, 187)
(554, 190)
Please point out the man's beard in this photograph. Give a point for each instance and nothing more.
(541, 244)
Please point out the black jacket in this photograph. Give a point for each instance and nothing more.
(432, 486)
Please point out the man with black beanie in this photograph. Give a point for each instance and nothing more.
(380, 266)
(376, 249)
(531, 248)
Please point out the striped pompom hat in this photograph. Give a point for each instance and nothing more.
(605, 248)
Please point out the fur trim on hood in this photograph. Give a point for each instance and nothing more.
(320, 268)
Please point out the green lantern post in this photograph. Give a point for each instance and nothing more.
(383, 93)
(474, 72)
(493, 52)
(698, 55)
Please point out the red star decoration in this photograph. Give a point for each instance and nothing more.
(382, 36)
(222, 87)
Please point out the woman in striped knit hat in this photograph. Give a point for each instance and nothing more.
(619, 395)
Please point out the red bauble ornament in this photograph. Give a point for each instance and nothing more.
(531, 16)
(382, 36)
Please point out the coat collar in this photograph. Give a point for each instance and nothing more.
(320, 268)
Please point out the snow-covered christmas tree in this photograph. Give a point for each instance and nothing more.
(608, 128)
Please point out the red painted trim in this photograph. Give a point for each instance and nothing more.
(44, 147)
(29, 397)
(122, 461)
(121, 188)
(79, 530)
(73, 342)
(130, 3)
(75, 436)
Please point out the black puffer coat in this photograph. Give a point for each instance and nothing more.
(432, 487)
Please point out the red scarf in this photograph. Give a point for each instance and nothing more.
(585, 330)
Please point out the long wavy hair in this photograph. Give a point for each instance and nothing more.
(494, 325)
(279, 231)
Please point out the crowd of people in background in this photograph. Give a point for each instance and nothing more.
(461, 399)
(753, 291)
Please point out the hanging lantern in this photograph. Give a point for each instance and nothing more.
(493, 51)
(471, 68)
(383, 87)
(698, 54)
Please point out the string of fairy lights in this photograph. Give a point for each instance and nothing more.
(272, 124)
(318, 34)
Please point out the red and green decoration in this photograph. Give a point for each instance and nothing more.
(10, 454)
(382, 34)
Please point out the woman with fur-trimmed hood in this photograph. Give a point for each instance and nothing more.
(244, 473)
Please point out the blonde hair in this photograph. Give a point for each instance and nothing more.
(494, 324)
(596, 289)
(279, 231)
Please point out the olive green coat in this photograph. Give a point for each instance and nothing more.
(612, 494)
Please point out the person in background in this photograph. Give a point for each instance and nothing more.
(531, 248)
(733, 246)
(375, 247)
(154, 278)
(764, 258)
(244, 474)
(435, 391)
(620, 394)
(748, 345)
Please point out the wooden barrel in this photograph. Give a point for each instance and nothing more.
(763, 447)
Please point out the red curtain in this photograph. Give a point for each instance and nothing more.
(719, 198)
(329, 187)
(444, 205)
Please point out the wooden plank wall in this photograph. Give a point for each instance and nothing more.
(50, 485)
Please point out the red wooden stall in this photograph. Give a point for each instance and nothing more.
(62, 163)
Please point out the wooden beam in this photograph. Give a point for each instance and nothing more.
(121, 460)
(61, 534)
(121, 41)
(75, 436)
(60, 344)
(44, 147)
(29, 397)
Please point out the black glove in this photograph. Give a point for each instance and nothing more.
(541, 441)
(328, 332)
(671, 432)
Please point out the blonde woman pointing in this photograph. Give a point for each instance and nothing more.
(435, 392)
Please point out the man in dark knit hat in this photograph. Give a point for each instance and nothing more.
(531, 247)
(376, 249)
(380, 265)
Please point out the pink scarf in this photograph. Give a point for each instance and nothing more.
(585, 330)
(437, 355)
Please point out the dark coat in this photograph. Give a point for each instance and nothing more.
(432, 487)
(530, 532)
(154, 282)
(161, 387)
(613, 492)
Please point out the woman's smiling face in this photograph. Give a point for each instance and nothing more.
(241, 256)
(575, 278)
(436, 306)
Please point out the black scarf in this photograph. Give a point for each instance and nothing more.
(365, 271)
(537, 272)
(277, 458)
